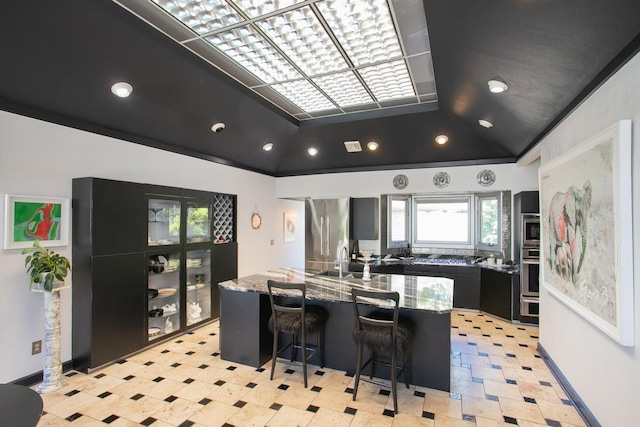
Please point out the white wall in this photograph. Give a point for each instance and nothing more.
(605, 374)
(39, 158)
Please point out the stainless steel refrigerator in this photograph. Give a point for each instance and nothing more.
(327, 232)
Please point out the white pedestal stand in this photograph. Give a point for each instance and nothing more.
(52, 378)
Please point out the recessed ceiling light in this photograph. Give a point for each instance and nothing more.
(442, 139)
(497, 85)
(121, 89)
(312, 151)
(218, 127)
(485, 123)
(373, 146)
(268, 146)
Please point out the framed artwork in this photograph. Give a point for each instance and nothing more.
(30, 218)
(289, 225)
(586, 217)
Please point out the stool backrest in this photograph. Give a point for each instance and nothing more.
(362, 298)
(294, 290)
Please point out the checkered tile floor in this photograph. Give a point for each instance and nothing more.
(497, 379)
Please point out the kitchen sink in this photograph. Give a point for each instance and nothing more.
(345, 274)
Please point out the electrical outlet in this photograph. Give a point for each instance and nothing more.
(36, 347)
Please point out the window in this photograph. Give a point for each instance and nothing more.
(399, 221)
(456, 221)
(489, 230)
(442, 221)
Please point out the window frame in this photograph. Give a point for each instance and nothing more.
(452, 198)
(479, 244)
(407, 223)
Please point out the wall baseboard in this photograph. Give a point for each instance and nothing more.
(584, 412)
(36, 378)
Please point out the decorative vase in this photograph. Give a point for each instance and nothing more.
(52, 378)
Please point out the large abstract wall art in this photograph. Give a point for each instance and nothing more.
(585, 201)
(30, 218)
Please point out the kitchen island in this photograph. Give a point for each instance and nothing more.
(427, 301)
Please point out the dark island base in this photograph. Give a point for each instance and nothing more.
(245, 338)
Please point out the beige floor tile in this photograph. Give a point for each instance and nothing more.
(104, 407)
(521, 410)
(73, 404)
(405, 420)
(163, 389)
(520, 375)
(328, 418)
(538, 392)
(177, 412)
(252, 416)
(487, 373)
(486, 422)
(370, 402)
(364, 418)
(297, 397)
(263, 395)
(502, 389)
(139, 410)
(461, 373)
(444, 421)
(560, 412)
(214, 414)
(131, 387)
(331, 399)
(195, 391)
(291, 417)
(481, 408)
(179, 373)
(407, 404)
(468, 388)
(50, 420)
(228, 393)
(86, 422)
(441, 403)
(472, 359)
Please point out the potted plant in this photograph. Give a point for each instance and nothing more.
(47, 269)
(44, 266)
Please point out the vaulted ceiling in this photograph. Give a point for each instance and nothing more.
(60, 58)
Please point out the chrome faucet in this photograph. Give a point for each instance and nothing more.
(344, 251)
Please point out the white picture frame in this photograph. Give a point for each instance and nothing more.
(289, 225)
(586, 241)
(31, 218)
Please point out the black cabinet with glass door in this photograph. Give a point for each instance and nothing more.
(146, 263)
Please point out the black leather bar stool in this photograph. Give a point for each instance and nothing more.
(288, 319)
(387, 336)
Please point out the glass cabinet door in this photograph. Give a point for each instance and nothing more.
(198, 286)
(163, 282)
(198, 222)
(164, 222)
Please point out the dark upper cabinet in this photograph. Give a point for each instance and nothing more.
(365, 218)
(109, 217)
(528, 202)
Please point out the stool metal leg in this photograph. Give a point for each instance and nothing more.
(394, 380)
(276, 332)
(358, 369)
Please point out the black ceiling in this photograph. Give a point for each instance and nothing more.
(59, 59)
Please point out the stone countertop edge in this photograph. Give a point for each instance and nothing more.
(334, 289)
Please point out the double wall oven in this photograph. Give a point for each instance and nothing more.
(530, 267)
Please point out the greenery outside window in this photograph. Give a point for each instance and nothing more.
(489, 224)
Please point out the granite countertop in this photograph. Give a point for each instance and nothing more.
(455, 262)
(416, 292)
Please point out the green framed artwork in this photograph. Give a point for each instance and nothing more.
(30, 218)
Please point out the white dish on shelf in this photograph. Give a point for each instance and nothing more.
(153, 332)
(165, 292)
(196, 286)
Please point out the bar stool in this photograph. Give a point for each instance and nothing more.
(288, 319)
(387, 336)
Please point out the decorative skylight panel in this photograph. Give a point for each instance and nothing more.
(299, 34)
(344, 88)
(255, 8)
(249, 49)
(388, 81)
(304, 95)
(202, 16)
(364, 29)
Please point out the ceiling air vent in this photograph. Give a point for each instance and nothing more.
(352, 146)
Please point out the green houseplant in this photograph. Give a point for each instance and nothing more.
(44, 266)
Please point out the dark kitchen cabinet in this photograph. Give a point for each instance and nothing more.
(496, 296)
(129, 238)
(365, 217)
(466, 293)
